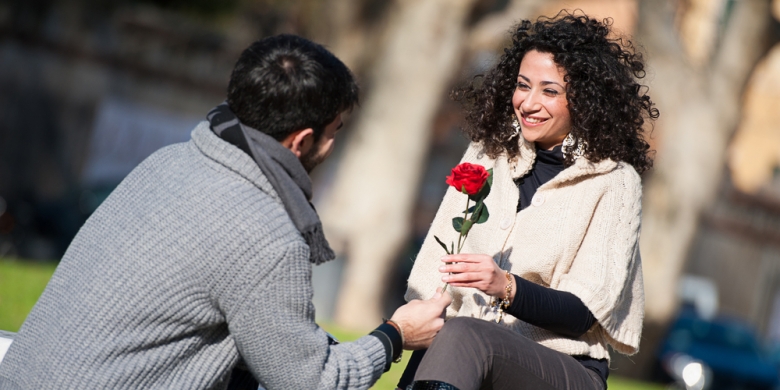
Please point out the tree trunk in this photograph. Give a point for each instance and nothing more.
(367, 214)
(699, 112)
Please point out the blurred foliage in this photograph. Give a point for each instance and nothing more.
(21, 284)
(202, 7)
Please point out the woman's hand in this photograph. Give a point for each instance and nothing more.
(477, 271)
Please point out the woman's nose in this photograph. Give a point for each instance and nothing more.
(530, 102)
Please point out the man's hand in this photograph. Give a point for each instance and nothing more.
(476, 271)
(421, 320)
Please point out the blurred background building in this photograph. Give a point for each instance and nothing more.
(88, 89)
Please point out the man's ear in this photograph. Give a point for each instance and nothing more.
(299, 141)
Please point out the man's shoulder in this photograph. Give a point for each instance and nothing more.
(183, 183)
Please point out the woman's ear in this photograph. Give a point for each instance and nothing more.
(300, 141)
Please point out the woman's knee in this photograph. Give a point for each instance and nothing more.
(462, 329)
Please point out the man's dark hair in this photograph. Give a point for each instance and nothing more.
(286, 83)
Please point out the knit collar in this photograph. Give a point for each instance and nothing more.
(523, 163)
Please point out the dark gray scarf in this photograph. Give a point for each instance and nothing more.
(283, 170)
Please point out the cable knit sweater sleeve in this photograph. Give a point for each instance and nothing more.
(606, 272)
(274, 331)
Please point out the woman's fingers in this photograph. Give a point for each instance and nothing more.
(466, 258)
(465, 267)
(473, 270)
(464, 277)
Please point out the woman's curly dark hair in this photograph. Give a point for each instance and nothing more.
(608, 107)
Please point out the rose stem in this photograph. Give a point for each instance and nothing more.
(461, 236)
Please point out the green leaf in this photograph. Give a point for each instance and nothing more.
(457, 224)
(485, 190)
(480, 215)
(474, 210)
(443, 245)
(483, 215)
(466, 227)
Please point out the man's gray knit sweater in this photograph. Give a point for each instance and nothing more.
(189, 265)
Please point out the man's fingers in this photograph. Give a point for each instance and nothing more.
(444, 299)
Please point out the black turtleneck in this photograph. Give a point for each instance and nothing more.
(548, 164)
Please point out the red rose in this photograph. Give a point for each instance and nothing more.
(468, 177)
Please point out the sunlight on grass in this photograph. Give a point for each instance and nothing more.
(21, 284)
(390, 378)
(618, 383)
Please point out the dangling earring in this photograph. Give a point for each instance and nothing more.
(568, 143)
(516, 127)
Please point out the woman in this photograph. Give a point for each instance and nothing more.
(560, 121)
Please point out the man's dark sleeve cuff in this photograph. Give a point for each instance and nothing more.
(391, 340)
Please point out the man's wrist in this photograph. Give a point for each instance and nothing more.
(391, 339)
(397, 327)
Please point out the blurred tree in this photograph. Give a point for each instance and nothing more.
(698, 91)
(370, 205)
(754, 155)
(368, 212)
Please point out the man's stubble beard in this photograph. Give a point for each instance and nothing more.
(313, 157)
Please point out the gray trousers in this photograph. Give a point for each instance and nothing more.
(473, 354)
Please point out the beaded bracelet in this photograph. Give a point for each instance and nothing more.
(503, 304)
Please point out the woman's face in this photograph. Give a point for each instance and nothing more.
(540, 100)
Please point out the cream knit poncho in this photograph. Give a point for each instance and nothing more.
(580, 235)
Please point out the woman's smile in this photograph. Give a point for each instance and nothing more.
(532, 121)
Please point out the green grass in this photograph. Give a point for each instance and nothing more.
(390, 378)
(21, 284)
(618, 383)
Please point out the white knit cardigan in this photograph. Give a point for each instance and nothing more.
(580, 235)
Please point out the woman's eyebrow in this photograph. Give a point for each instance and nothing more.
(551, 82)
(543, 83)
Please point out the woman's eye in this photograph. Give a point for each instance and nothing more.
(551, 92)
(523, 86)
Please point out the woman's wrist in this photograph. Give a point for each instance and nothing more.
(502, 302)
(508, 289)
(505, 287)
(514, 289)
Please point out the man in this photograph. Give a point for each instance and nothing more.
(201, 258)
